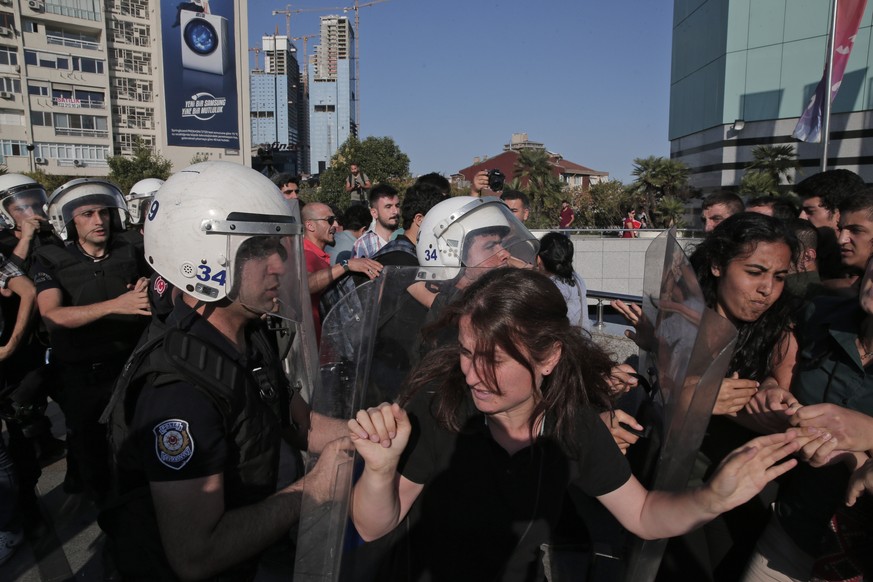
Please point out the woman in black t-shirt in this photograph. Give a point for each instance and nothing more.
(499, 442)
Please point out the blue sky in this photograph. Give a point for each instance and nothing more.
(449, 79)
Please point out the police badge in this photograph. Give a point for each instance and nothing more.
(173, 443)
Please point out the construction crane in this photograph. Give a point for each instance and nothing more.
(357, 28)
(356, 8)
(305, 38)
(288, 12)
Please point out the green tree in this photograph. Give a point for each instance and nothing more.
(657, 177)
(775, 161)
(50, 182)
(125, 171)
(608, 203)
(533, 169)
(671, 211)
(755, 183)
(378, 157)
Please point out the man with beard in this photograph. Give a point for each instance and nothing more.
(92, 296)
(385, 210)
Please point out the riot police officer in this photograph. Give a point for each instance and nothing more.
(91, 295)
(198, 414)
(25, 380)
(139, 199)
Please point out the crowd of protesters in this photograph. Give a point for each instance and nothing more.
(490, 411)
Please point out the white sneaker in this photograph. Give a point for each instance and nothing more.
(8, 543)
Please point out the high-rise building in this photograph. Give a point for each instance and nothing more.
(742, 74)
(331, 91)
(278, 108)
(83, 80)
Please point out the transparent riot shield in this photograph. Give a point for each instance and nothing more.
(691, 347)
(370, 341)
(344, 363)
(295, 336)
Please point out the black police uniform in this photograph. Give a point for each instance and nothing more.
(189, 405)
(26, 381)
(90, 358)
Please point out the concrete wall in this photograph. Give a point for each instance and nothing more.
(612, 264)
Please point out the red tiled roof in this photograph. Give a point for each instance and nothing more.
(505, 162)
(574, 168)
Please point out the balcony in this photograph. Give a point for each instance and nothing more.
(72, 42)
(73, 103)
(73, 131)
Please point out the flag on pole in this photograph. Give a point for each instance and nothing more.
(849, 14)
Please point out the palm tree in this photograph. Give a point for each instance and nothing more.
(670, 211)
(756, 183)
(775, 161)
(535, 166)
(657, 177)
(674, 177)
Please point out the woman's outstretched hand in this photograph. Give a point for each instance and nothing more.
(746, 470)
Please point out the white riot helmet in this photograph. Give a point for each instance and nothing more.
(219, 230)
(64, 202)
(20, 196)
(466, 231)
(140, 198)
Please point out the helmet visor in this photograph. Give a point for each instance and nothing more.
(264, 275)
(25, 203)
(494, 237)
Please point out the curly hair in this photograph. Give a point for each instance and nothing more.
(522, 312)
(737, 237)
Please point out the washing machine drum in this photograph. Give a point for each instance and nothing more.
(201, 37)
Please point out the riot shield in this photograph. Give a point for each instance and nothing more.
(691, 348)
(344, 365)
(370, 341)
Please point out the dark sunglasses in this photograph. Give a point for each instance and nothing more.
(330, 220)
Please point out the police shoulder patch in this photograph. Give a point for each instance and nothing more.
(173, 443)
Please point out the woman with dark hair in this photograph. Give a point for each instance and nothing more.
(499, 446)
(555, 259)
(741, 266)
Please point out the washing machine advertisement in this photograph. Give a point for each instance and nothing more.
(200, 88)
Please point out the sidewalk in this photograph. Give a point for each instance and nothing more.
(68, 547)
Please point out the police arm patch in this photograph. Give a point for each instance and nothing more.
(173, 443)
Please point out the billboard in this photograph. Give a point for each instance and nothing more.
(200, 86)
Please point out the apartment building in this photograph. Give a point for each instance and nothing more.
(278, 111)
(332, 111)
(83, 80)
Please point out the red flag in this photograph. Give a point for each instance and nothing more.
(849, 14)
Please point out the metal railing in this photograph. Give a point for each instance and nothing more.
(72, 42)
(616, 232)
(602, 296)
